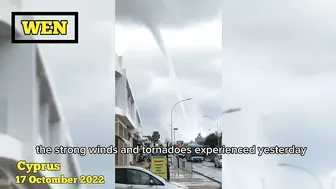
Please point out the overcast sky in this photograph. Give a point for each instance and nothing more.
(192, 36)
(279, 67)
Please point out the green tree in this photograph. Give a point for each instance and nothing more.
(149, 138)
(155, 137)
(211, 140)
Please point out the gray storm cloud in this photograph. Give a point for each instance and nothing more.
(167, 13)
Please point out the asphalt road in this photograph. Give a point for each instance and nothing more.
(208, 169)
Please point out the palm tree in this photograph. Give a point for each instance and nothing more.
(155, 137)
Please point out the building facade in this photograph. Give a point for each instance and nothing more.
(29, 111)
(127, 117)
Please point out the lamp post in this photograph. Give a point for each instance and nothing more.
(304, 170)
(231, 110)
(217, 128)
(171, 118)
(175, 129)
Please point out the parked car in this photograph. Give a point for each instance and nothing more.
(218, 160)
(193, 156)
(139, 178)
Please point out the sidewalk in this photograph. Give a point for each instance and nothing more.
(144, 165)
(192, 180)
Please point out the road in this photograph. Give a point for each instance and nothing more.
(208, 169)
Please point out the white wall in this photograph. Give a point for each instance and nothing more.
(18, 88)
(3, 114)
(120, 90)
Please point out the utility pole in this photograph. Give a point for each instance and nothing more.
(171, 118)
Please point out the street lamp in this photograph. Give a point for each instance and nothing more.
(231, 110)
(304, 170)
(171, 117)
(217, 128)
(175, 129)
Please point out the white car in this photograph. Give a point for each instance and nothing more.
(132, 177)
(218, 160)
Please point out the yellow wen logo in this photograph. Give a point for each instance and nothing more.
(44, 27)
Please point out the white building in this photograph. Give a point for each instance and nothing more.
(29, 111)
(128, 122)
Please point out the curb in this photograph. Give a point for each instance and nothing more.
(208, 177)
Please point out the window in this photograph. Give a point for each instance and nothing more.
(157, 182)
(137, 177)
(120, 176)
